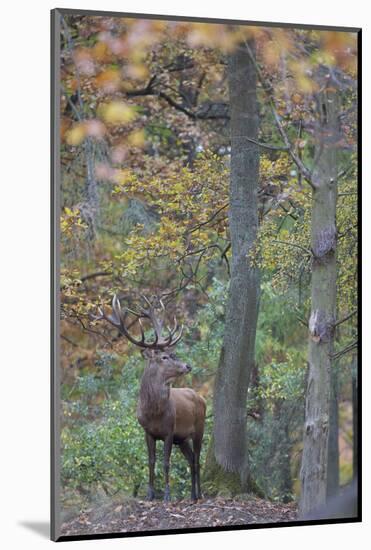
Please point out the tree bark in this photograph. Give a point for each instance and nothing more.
(227, 463)
(333, 441)
(323, 307)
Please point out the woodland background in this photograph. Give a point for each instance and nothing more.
(145, 163)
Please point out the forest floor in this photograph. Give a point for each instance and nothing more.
(138, 515)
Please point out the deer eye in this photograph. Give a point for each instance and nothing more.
(165, 357)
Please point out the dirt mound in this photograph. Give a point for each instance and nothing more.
(137, 515)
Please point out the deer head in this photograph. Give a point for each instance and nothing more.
(167, 365)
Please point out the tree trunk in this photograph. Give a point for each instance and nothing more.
(227, 463)
(333, 441)
(323, 308)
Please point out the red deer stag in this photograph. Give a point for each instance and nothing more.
(174, 415)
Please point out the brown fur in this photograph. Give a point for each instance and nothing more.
(173, 415)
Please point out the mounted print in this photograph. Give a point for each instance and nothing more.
(205, 218)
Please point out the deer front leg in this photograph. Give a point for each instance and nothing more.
(151, 446)
(168, 443)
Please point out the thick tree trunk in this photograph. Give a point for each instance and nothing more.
(227, 464)
(333, 439)
(323, 308)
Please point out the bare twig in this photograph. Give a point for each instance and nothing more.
(71, 103)
(224, 255)
(69, 341)
(302, 321)
(96, 274)
(299, 246)
(345, 350)
(266, 145)
(346, 318)
(344, 172)
(150, 90)
(196, 227)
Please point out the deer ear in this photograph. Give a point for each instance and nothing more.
(148, 353)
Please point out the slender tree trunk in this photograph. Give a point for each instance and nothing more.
(333, 441)
(286, 486)
(227, 465)
(323, 308)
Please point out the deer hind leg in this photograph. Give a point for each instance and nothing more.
(168, 443)
(197, 443)
(188, 453)
(151, 446)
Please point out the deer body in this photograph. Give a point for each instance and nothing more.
(173, 415)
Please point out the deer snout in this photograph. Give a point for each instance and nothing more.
(187, 367)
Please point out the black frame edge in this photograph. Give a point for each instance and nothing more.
(359, 274)
(52, 261)
(195, 19)
(67, 538)
(54, 275)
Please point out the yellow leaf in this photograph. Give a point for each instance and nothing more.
(101, 52)
(109, 80)
(117, 112)
(137, 71)
(136, 138)
(76, 135)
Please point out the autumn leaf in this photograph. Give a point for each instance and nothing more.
(76, 135)
(136, 138)
(117, 112)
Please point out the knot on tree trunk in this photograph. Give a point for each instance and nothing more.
(321, 326)
(324, 243)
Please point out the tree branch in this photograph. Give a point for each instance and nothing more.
(346, 318)
(196, 227)
(96, 274)
(150, 90)
(266, 145)
(176, 105)
(71, 103)
(224, 255)
(302, 321)
(290, 149)
(288, 243)
(69, 341)
(344, 172)
(345, 350)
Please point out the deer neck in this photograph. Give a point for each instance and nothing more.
(154, 393)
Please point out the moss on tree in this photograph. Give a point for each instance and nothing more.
(219, 482)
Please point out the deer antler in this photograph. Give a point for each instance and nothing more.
(119, 316)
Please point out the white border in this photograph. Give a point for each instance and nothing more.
(24, 231)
